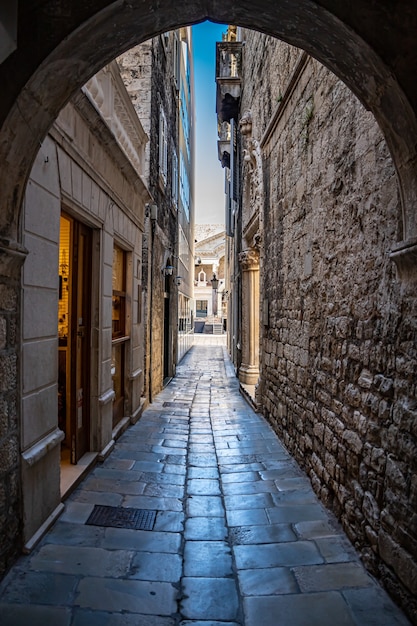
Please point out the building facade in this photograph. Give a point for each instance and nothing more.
(106, 277)
(82, 363)
(209, 279)
(159, 78)
(321, 322)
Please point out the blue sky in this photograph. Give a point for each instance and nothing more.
(209, 175)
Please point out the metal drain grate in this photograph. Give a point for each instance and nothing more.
(120, 517)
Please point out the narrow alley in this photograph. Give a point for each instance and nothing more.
(233, 531)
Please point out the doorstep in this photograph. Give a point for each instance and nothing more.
(72, 475)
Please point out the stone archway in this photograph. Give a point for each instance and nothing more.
(61, 44)
(372, 48)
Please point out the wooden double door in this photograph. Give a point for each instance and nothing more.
(74, 330)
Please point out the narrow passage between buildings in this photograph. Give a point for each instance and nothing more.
(207, 520)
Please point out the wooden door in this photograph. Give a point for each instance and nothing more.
(80, 341)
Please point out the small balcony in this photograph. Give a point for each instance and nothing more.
(228, 79)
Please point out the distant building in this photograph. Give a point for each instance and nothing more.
(209, 278)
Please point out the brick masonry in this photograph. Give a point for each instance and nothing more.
(339, 355)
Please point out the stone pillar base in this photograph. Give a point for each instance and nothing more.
(248, 374)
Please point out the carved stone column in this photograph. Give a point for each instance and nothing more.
(249, 369)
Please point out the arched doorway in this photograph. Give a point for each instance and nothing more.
(76, 42)
(371, 48)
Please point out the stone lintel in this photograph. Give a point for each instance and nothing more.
(404, 256)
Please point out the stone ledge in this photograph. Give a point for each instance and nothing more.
(135, 374)
(12, 257)
(106, 397)
(106, 451)
(40, 449)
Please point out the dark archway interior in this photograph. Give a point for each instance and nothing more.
(370, 46)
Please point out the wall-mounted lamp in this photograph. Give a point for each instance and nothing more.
(152, 211)
(214, 282)
(178, 280)
(167, 270)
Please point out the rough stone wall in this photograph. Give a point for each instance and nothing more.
(135, 67)
(339, 355)
(10, 488)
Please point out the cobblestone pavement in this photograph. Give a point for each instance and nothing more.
(239, 537)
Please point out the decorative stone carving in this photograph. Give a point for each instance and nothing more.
(257, 241)
(249, 259)
(245, 124)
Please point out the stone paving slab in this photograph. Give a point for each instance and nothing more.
(373, 607)
(200, 528)
(106, 498)
(329, 576)
(133, 596)
(85, 617)
(319, 609)
(202, 486)
(270, 533)
(206, 623)
(239, 537)
(207, 559)
(23, 615)
(47, 588)
(156, 566)
(82, 560)
(276, 554)
(267, 582)
(141, 540)
(210, 599)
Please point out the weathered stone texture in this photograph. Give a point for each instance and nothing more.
(145, 69)
(9, 445)
(339, 357)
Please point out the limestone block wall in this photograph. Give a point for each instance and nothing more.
(39, 434)
(90, 178)
(135, 67)
(339, 344)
